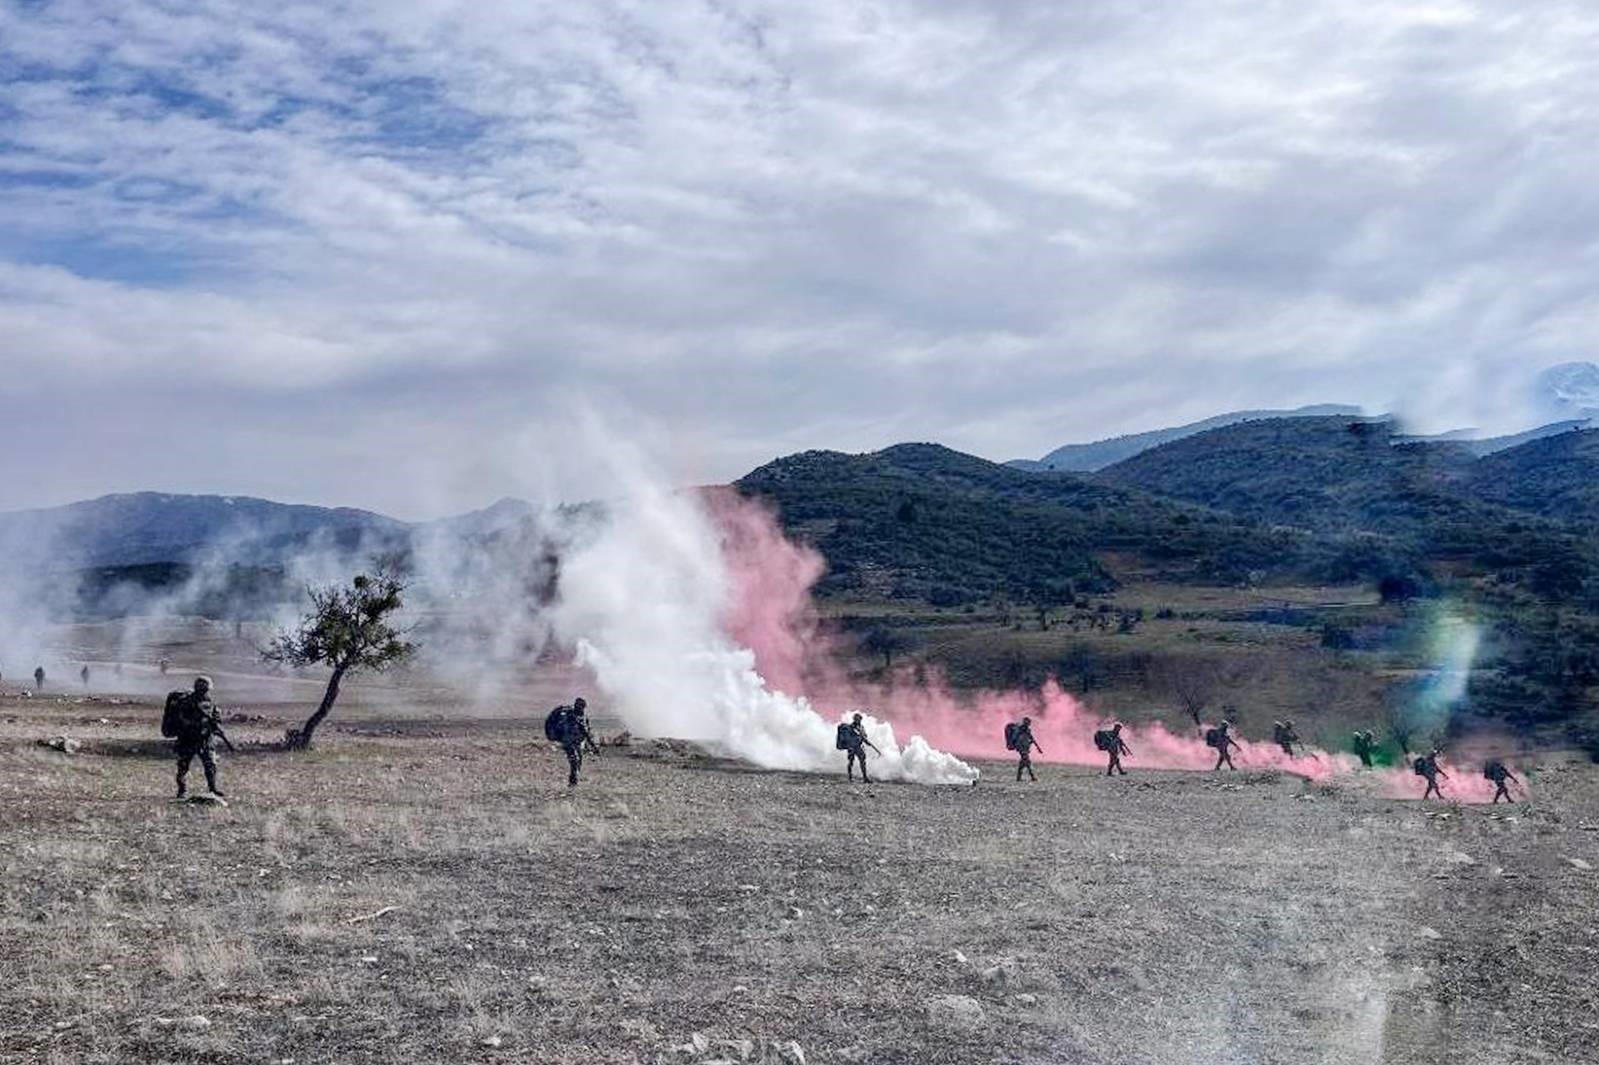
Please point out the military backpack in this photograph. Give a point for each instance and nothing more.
(1012, 735)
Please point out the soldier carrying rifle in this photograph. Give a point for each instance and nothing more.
(191, 719)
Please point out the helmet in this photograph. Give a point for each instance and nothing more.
(1027, 720)
(202, 683)
(579, 703)
(857, 717)
(1117, 727)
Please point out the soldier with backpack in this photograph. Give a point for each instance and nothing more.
(1220, 739)
(569, 726)
(1019, 738)
(1427, 766)
(852, 738)
(1365, 746)
(1283, 734)
(1110, 741)
(38, 678)
(191, 718)
(1501, 775)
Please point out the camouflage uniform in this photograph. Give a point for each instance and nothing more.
(1117, 748)
(1024, 749)
(1501, 776)
(1429, 769)
(196, 724)
(857, 749)
(575, 736)
(1224, 745)
(1365, 744)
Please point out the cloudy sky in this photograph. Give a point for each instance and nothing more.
(390, 254)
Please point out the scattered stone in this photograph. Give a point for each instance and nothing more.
(960, 1011)
(699, 1042)
(202, 798)
(493, 1042)
(1578, 863)
(795, 913)
(621, 739)
(196, 1023)
(1431, 933)
(64, 744)
(790, 1052)
(1025, 1001)
(1461, 858)
(999, 974)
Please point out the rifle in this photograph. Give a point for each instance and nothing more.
(216, 728)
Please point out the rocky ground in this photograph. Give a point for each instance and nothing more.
(427, 889)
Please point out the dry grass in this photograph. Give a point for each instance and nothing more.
(1156, 919)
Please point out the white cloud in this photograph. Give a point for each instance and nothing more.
(379, 226)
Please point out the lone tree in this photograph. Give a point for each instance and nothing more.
(348, 630)
(882, 640)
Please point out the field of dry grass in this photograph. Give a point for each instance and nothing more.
(425, 888)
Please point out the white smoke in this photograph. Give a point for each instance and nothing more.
(642, 601)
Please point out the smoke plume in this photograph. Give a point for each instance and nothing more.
(645, 598)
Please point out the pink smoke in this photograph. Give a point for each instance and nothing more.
(771, 613)
(1464, 784)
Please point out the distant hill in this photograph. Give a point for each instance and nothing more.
(146, 528)
(1081, 458)
(1488, 445)
(923, 521)
(1343, 476)
(1556, 476)
(225, 556)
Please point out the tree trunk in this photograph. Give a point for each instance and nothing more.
(302, 738)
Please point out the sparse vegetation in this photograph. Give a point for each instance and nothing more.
(348, 630)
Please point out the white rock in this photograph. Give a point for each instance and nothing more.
(493, 1042)
(790, 1052)
(1431, 933)
(1578, 863)
(196, 1023)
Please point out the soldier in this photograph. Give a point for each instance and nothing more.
(1283, 734)
(38, 678)
(855, 740)
(572, 733)
(1110, 741)
(1427, 766)
(191, 718)
(1022, 740)
(164, 665)
(1497, 772)
(1365, 746)
(83, 674)
(1221, 739)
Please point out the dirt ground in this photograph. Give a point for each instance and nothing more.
(424, 887)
